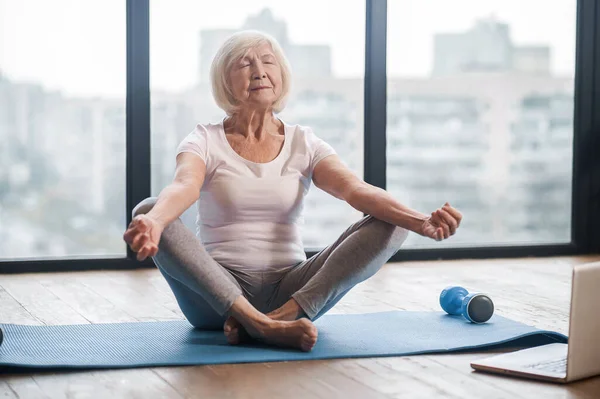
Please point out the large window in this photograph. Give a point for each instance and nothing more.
(326, 53)
(483, 110)
(480, 114)
(62, 129)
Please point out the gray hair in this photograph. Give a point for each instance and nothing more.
(234, 48)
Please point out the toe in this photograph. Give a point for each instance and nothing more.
(230, 324)
(233, 337)
(230, 330)
(234, 332)
(308, 342)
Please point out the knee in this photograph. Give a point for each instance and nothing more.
(392, 236)
(399, 235)
(144, 206)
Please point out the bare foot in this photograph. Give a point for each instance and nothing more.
(234, 331)
(301, 334)
(290, 311)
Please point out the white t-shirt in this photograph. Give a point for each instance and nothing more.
(250, 214)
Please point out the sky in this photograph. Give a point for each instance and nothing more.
(78, 46)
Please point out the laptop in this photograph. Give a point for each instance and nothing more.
(558, 362)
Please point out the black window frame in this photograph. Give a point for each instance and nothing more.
(585, 212)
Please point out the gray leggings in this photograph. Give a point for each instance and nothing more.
(205, 289)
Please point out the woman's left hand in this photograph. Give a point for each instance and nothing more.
(442, 223)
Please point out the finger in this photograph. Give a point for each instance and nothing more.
(150, 250)
(449, 220)
(141, 255)
(141, 223)
(129, 234)
(455, 214)
(135, 227)
(445, 230)
(153, 251)
(144, 252)
(139, 242)
(439, 234)
(434, 219)
(430, 232)
(445, 227)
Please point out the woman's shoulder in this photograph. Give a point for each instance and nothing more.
(207, 128)
(303, 134)
(202, 132)
(296, 128)
(299, 132)
(199, 136)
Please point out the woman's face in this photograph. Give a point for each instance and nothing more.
(255, 79)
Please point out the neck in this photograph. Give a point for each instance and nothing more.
(253, 123)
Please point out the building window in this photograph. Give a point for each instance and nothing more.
(62, 129)
(480, 114)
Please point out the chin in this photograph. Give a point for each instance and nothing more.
(263, 103)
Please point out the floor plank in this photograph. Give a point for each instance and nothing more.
(534, 291)
(281, 379)
(393, 380)
(25, 387)
(129, 383)
(6, 391)
(41, 303)
(130, 295)
(13, 312)
(90, 305)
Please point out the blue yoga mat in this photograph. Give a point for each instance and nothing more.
(169, 343)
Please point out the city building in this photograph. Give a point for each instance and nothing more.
(487, 47)
(490, 131)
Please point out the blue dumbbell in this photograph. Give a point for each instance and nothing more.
(477, 308)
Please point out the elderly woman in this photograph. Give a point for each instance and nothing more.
(248, 273)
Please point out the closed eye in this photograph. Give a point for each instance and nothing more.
(268, 59)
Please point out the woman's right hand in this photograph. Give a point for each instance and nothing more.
(143, 236)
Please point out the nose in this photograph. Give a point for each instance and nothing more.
(259, 71)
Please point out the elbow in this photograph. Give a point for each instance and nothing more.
(190, 191)
(356, 194)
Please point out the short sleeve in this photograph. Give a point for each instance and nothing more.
(195, 142)
(318, 149)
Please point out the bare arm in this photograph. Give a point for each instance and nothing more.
(333, 177)
(178, 196)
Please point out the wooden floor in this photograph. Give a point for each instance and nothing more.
(533, 291)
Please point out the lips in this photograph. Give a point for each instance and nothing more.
(259, 88)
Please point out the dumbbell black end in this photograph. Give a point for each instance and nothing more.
(480, 308)
(476, 307)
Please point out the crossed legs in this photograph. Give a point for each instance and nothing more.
(212, 296)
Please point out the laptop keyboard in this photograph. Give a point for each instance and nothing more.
(554, 366)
